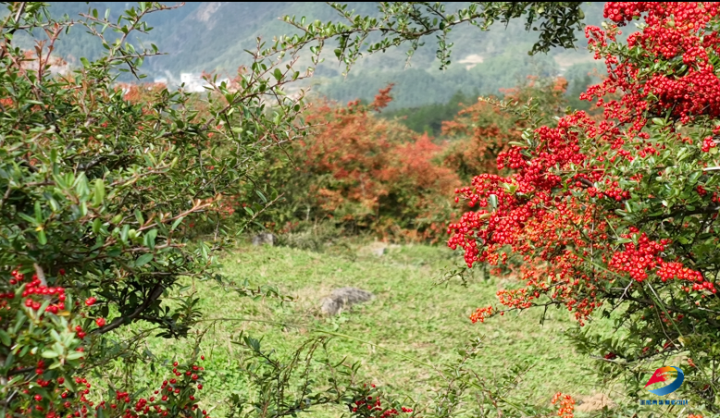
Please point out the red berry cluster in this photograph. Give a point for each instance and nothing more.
(48, 395)
(674, 270)
(567, 405)
(674, 30)
(70, 403)
(173, 393)
(370, 404)
(708, 144)
(638, 259)
(177, 392)
(481, 313)
(35, 287)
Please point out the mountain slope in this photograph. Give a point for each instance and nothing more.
(214, 36)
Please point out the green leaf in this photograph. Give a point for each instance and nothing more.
(5, 338)
(38, 212)
(49, 354)
(176, 223)
(97, 224)
(143, 259)
(29, 219)
(81, 186)
(139, 217)
(695, 176)
(278, 74)
(42, 238)
(262, 196)
(124, 233)
(99, 195)
(518, 144)
(150, 238)
(16, 379)
(493, 201)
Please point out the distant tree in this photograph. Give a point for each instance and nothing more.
(429, 118)
(488, 127)
(364, 173)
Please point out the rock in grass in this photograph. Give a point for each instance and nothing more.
(343, 298)
(264, 239)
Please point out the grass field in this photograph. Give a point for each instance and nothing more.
(417, 327)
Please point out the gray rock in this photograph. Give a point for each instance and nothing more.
(344, 298)
(264, 239)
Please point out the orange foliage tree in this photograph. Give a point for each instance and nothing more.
(367, 173)
(483, 130)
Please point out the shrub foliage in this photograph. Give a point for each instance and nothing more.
(619, 216)
(364, 173)
(98, 189)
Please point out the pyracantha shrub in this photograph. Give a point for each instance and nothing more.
(99, 187)
(620, 215)
(370, 402)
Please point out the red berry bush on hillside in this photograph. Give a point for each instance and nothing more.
(618, 217)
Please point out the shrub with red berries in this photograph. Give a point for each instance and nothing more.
(99, 185)
(620, 215)
(369, 401)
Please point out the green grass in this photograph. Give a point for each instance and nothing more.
(410, 317)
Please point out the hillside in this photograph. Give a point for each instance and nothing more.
(214, 36)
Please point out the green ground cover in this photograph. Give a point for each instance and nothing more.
(416, 327)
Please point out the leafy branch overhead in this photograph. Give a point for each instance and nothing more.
(401, 23)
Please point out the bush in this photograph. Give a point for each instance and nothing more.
(483, 130)
(100, 191)
(429, 119)
(620, 215)
(365, 174)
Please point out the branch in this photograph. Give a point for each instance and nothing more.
(20, 371)
(97, 160)
(40, 274)
(154, 295)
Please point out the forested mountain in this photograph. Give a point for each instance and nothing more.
(214, 36)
